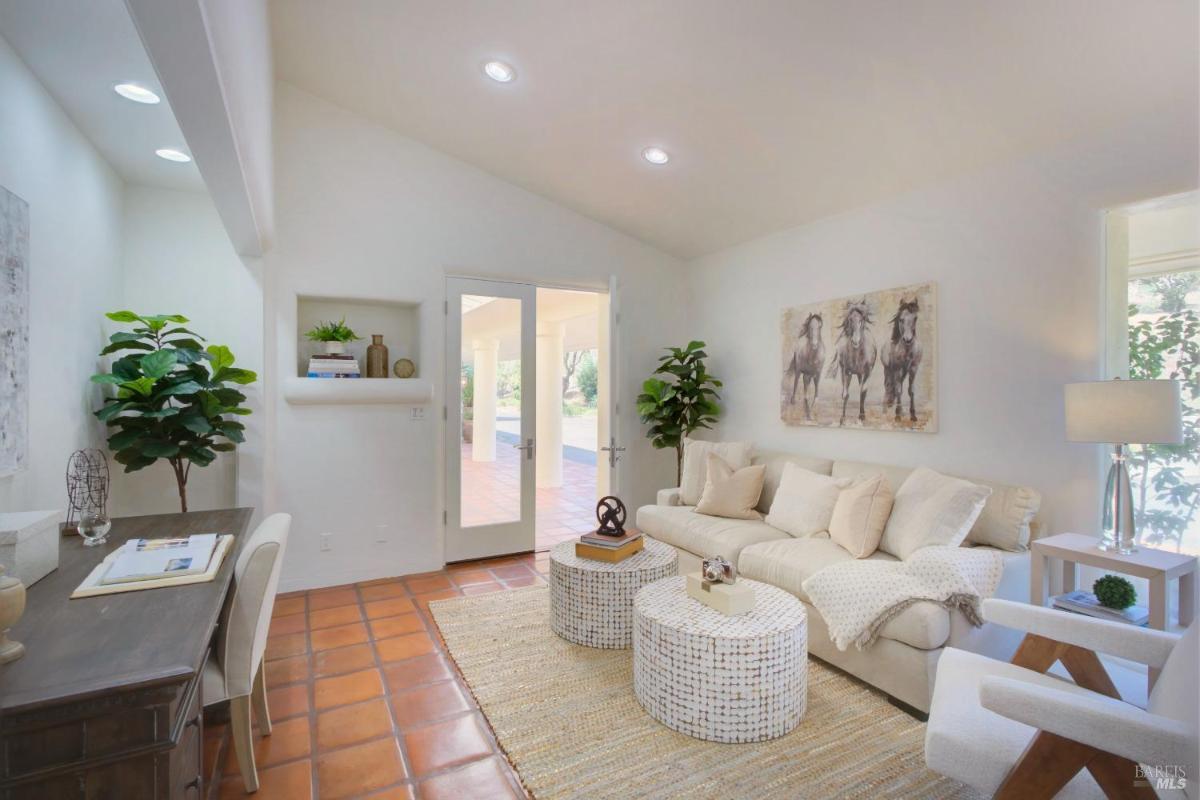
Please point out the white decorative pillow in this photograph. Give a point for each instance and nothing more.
(931, 508)
(731, 494)
(804, 501)
(695, 465)
(861, 514)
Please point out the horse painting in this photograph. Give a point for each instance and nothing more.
(854, 354)
(901, 358)
(808, 361)
(847, 338)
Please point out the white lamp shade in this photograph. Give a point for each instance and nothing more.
(1124, 412)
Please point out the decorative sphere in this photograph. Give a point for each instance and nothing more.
(404, 368)
(1113, 591)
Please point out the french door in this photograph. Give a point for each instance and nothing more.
(490, 418)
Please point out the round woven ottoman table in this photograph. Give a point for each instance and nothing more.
(720, 678)
(591, 602)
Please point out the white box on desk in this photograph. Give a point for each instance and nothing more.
(29, 544)
(731, 599)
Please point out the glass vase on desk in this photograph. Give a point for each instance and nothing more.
(94, 526)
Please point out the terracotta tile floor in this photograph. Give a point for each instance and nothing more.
(492, 489)
(365, 700)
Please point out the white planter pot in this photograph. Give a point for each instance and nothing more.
(333, 348)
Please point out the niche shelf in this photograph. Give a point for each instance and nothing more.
(398, 322)
(359, 391)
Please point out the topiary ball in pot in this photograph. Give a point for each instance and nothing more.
(1113, 591)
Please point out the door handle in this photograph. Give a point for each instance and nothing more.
(612, 451)
(527, 447)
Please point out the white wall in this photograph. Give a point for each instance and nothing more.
(74, 276)
(1016, 252)
(178, 260)
(362, 211)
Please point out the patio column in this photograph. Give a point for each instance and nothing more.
(483, 440)
(549, 404)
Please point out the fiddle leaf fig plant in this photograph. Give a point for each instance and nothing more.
(173, 398)
(681, 402)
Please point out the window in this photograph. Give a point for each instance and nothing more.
(1154, 278)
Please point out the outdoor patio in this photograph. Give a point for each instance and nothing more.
(491, 493)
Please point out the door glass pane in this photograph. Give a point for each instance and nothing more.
(490, 468)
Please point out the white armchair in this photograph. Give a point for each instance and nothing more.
(1013, 731)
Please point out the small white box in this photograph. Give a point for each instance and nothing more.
(29, 544)
(731, 599)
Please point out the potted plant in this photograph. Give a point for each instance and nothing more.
(332, 336)
(685, 401)
(172, 398)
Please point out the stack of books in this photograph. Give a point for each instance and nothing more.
(1086, 603)
(152, 559)
(331, 366)
(599, 547)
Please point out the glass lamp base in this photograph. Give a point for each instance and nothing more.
(1116, 547)
(1118, 534)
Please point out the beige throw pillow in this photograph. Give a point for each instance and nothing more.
(695, 464)
(860, 515)
(931, 508)
(1006, 517)
(804, 501)
(729, 493)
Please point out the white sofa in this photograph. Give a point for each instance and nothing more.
(903, 660)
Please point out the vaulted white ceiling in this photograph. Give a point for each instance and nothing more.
(775, 112)
(79, 50)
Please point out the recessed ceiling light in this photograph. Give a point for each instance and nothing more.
(171, 154)
(138, 94)
(499, 71)
(656, 155)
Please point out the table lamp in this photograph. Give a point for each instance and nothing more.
(1120, 413)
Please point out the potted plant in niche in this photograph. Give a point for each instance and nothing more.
(173, 399)
(332, 336)
(685, 401)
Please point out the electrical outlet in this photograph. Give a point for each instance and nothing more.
(381, 534)
(418, 414)
(326, 542)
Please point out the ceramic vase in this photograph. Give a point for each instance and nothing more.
(377, 357)
(12, 606)
(333, 348)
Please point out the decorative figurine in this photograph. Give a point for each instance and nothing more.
(87, 486)
(718, 570)
(610, 512)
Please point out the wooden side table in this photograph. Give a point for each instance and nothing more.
(1159, 567)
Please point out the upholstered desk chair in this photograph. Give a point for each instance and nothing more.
(235, 671)
(1013, 731)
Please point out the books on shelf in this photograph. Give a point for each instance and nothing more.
(612, 549)
(333, 366)
(1086, 603)
(152, 559)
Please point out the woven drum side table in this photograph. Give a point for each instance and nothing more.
(719, 678)
(591, 602)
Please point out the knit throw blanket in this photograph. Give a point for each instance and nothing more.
(857, 598)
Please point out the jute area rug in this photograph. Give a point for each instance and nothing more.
(567, 717)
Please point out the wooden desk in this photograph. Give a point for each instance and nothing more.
(106, 702)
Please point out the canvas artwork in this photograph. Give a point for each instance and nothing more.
(868, 361)
(14, 332)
